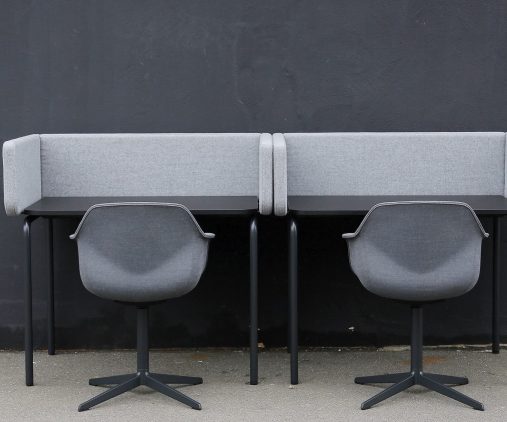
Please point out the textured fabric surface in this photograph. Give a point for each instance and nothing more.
(140, 252)
(266, 174)
(417, 251)
(22, 173)
(396, 163)
(150, 164)
(279, 174)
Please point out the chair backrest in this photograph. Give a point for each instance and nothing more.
(429, 163)
(140, 252)
(417, 251)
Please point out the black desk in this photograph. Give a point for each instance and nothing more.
(50, 208)
(204, 205)
(314, 206)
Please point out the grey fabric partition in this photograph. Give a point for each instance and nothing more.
(22, 173)
(270, 167)
(193, 164)
(410, 163)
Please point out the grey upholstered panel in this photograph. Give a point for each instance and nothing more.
(417, 251)
(22, 173)
(150, 164)
(140, 252)
(266, 174)
(279, 174)
(396, 163)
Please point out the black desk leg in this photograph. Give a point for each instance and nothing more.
(254, 266)
(28, 301)
(293, 300)
(51, 291)
(497, 253)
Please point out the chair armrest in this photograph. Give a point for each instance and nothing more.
(22, 173)
(349, 235)
(280, 174)
(266, 174)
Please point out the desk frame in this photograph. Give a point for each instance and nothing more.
(491, 206)
(41, 209)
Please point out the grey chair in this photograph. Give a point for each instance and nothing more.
(141, 254)
(417, 252)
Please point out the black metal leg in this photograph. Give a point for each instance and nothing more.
(28, 302)
(449, 392)
(254, 289)
(382, 379)
(497, 253)
(293, 300)
(51, 291)
(388, 392)
(176, 379)
(109, 394)
(170, 392)
(447, 379)
(115, 379)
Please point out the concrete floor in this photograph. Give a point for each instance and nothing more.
(326, 393)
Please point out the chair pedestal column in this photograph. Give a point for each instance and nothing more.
(143, 376)
(143, 360)
(416, 340)
(416, 376)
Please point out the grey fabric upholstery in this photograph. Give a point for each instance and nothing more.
(22, 173)
(417, 251)
(266, 174)
(279, 174)
(186, 164)
(140, 252)
(431, 163)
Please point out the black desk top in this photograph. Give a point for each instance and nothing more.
(352, 205)
(203, 205)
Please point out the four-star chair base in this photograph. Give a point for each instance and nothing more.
(416, 376)
(143, 376)
(156, 382)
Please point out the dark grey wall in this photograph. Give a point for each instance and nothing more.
(238, 65)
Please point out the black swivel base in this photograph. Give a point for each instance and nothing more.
(157, 382)
(416, 376)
